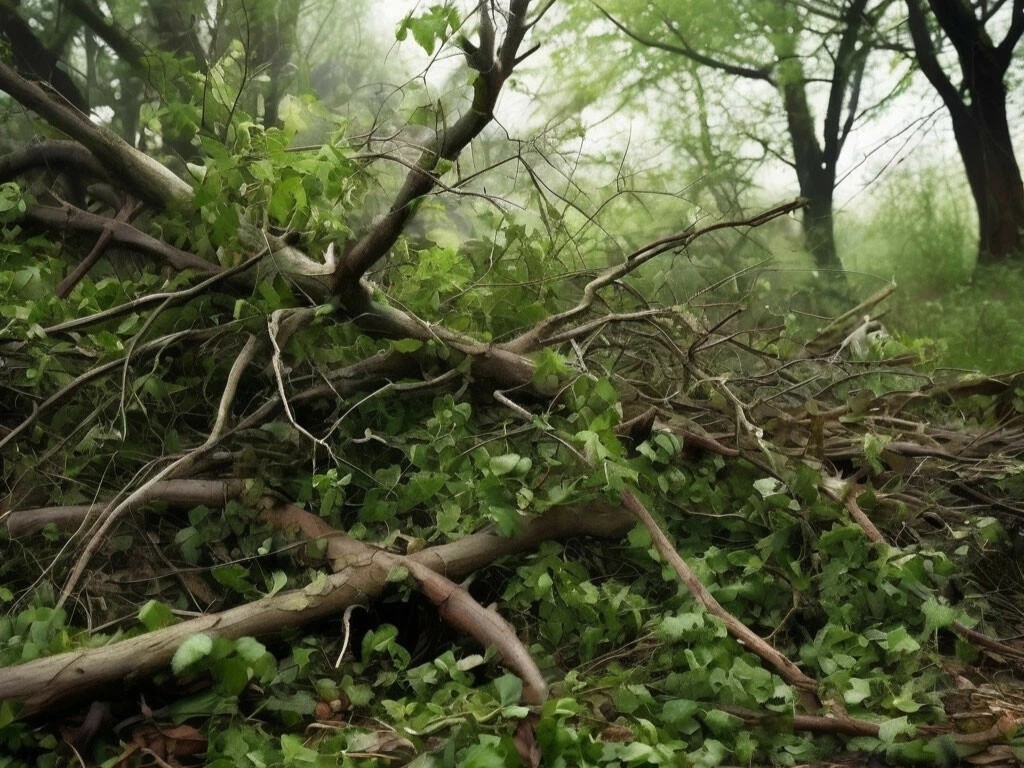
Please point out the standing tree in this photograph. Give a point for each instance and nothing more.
(977, 107)
(794, 48)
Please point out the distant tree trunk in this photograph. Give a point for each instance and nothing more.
(815, 161)
(274, 45)
(816, 175)
(174, 24)
(983, 136)
(819, 232)
(33, 59)
(978, 111)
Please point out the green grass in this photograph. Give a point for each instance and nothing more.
(920, 231)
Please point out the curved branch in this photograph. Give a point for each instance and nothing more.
(789, 671)
(58, 680)
(751, 73)
(142, 174)
(455, 605)
(446, 144)
(71, 217)
(170, 299)
(94, 373)
(536, 336)
(48, 154)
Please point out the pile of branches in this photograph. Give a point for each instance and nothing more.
(826, 403)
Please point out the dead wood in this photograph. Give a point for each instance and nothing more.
(174, 493)
(786, 668)
(455, 605)
(61, 680)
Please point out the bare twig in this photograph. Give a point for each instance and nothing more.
(535, 337)
(112, 514)
(169, 299)
(786, 668)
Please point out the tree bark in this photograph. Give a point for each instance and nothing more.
(57, 681)
(816, 175)
(978, 111)
(982, 134)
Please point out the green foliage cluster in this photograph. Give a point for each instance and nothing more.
(622, 643)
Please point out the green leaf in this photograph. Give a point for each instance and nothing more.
(406, 345)
(232, 674)
(899, 641)
(509, 688)
(890, 730)
(278, 581)
(675, 628)
(859, 690)
(937, 615)
(429, 27)
(154, 615)
(189, 652)
(250, 649)
(502, 465)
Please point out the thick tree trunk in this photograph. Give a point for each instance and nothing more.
(819, 229)
(977, 107)
(983, 137)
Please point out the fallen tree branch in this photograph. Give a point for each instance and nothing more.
(455, 605)
(176, 493)
(124, 216)
(142, 174)
(70, 217)
(786, 668)
(842, 725)
(94, 373)
(50, 154)
(55, 681)
(109, 517)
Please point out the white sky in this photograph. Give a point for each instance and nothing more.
(915, 129)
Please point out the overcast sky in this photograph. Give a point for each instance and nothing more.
(915, 130)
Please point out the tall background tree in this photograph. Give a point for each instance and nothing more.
(800, 51)
(976, 99)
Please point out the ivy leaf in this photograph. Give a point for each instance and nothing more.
(406, 345)
(899, 641)
(154, 615)
(509, 688)
(890, 730)
(192, 650)
(937, 615)
(767, 486)
(674, 628)
(502, 465)
(279, 579)
(250, 649)
(859, 690)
